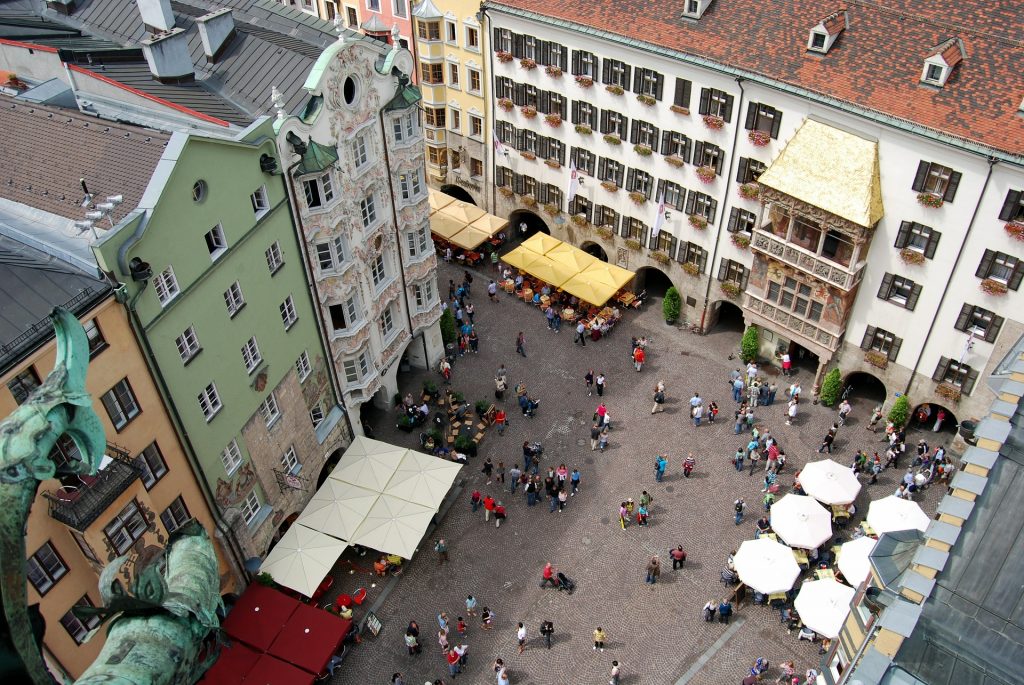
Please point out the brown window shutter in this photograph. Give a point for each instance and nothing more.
(940, 369)
(894, 349)
(903, 236)
(883, 292)
(985, 267)
(963, 317)
(969, 381)
(915, 292)
(869, 336)
(921, 176)
(993, 330)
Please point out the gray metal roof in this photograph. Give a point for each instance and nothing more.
(893, 553)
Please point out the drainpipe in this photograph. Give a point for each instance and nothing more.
(721, 218)
(486, 34)
(992, 161)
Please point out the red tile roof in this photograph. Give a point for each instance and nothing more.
(876, 63)
(950, 51)
(834, 23)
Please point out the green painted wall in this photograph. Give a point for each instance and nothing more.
(175, 236)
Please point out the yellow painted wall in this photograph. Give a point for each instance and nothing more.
(122, 358)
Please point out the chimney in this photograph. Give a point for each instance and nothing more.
(156, 15)
(168, 57)
(216, 30)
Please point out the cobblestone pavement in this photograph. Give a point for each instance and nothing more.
(654, 631)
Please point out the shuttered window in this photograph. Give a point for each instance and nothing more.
(741, 221)
(675, 144)
(648, 82)
(983, 323)
(937, 180)
(585, 160)
(953, 372)
(749, 170)
(1013, 206)
(899, 290)
(880, 340)
(923, 239)
(716, 103)
(730, 271)
(691, 253)
(761, 117)
(681, 97)
(1001, 267)
(616, 73)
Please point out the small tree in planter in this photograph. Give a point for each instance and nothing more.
(831, 388)
(697, 221)
(448, 332)
(506, 104)
(740, 241)
(643, 150)
(614, 90)
(750, 345)
(993, 287)
(405, 423)
(929, 200)
(637, 198)
(671, 305)
(465, 445)
(584, 81)
(430, 388)
(900, 411)
(715, 123)
(583, 129)
(706, 173)
(481, 407)
(528, 64)
(646, 100)
(749, 191)
(553, 71)
(553, 119)
(759, 138)
(634, 244)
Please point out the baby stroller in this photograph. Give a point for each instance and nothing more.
(566, 583)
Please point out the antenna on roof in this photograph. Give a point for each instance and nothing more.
(84, 226)
(87, 200)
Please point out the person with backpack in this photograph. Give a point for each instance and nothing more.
(547, 629)
(659, 397)
(739, 506)
(688, 465)
(660, 464)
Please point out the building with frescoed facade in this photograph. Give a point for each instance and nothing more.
(354, 163)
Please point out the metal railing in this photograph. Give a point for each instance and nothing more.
(80, 505)
(845, 277)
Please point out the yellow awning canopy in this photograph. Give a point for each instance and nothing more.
(438, 200)
(462, 211)
(470, 238)
(571, 256)
(541, 243)
(589, 291)
(539, 266)
(490, 223)
(830, 169)
(609, 274)
(444, 226)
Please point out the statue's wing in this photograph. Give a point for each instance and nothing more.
(72, 349)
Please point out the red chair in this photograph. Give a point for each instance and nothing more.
(326, 585)
(360, 596)
(343, 601)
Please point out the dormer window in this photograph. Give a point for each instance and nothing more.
(818, 41)
(826, 32)
(938, 66)
(933, 73)
(695, 9)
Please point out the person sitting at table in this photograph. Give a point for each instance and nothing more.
(457, 456)
(381, 566)
(344, 612)
(763, 525)
(519, 282)
(536, 298)
(546, 290)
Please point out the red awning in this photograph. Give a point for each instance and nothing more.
(271, 671)
(234, 662)
(309, 638)
(259, 615)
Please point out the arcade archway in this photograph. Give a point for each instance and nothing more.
(864, 386)
(594, 250)
(655, 281)
(726, 317)
(458, 193)
(329, 465)
(524, 223)
(934, 418)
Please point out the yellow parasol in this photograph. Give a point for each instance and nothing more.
(541, 243)
(438, 200)
(589, 291)
(572, 257)
(490, 223)
(444, 226)
(470, 238)
(539, 266)
(608, 273)
(462, 211)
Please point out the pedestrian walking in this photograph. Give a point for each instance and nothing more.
(844, 411)
(737, 389)
(487, 619)
(499, 514)
(442, 639)
(521, 637)
(599, 637)
(712, 412)
(653, 570)
(595, 435)
(589, 380)
(660, 464)
(737, 459)
(602, 442)
(441, 547)
(791, 412)
(688, 465)
(623, 515)
(547, 629)
(474, 341)
(563, 498)
(514, 474)
(724, 610)
(659, 397)
(616, 671)
(739, 506)
(574, 481)
(470, 605)
(460, 626)
(826, 443)
(453, 662)
(678, 558)
(876, 416)
(639, 356)
(475, 500)
(487, 469)
(697, 413)
(412, 643)
(581, 334)
(599, 384)
(492, 291)
(467, 281)
(549, 314)
(708, 612)
(521, 344)
(488, 507)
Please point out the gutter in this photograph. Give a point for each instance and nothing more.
(969, 146)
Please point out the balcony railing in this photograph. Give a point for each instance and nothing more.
(835, 274)
(81, 504)
(814, 331)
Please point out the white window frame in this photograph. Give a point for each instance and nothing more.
(379, 272)
(424, 294)
(373, 5)
(473, 46)
(290, 461)
(260, 201)
(303, 366)
(417, 241)
(368, 210)
(470, 71)
(275, 260)
(410, 184)
(270, 410)
(121, 404)
(234, 299)
(360, 151)
(387, 323)
(216, 242)
(188, 344)
(476, 122)
(288, 313)
(356, 368)
(231, 457)
(323, 188)
(400, 8)
(455, 120)
(451, 32)
(331, 254)
(209, 401)
(166, 286)
(251, 507)
(251, 356)
(316, 414)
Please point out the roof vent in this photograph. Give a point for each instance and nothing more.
(940, 62)
(826, 32)
(695, 9)
(156, 15)
(215, 30)
(168, 57)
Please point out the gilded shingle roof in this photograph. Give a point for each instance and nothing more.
(876, 63)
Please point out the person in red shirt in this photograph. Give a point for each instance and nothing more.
(678, 557)
(638, 358)
(500, 420)
(488, 507)
(549, 575)
(453, 662)
(499, 514)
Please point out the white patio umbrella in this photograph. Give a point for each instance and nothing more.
(368, 463)
(393, 526)
(830, 482)
(823, 605)
(302, 558)
(422, 479)
(337, 508)
(800, 521)
(892, 513)
(766, 566)
(853, 559)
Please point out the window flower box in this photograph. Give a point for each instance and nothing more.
(634, 244)
(528, 112)
(648, 100)
(1015, 230)
(615, 90)
(675, 161)
(612, 139)
(993, 287)
(697, 221)
(579, 220)
(553, 71)
(706, 174)
(528, 64)
(680, 110)
(715, 123)
(740, 241)
(659, 257)
(609, 186)
(912, 257)
(553, 163)
(526, 154)
(691, 269)
(553, 120)
(552, 209)
(929, 200)
(506, 191)
(759, 138)
(948, 391)
(583, 129)
(584, 81)
(637, 198)
(503, 56)
(731, 290)
(749, 191)
(506, 104)
(528, 200)
(606, 233)
(643, 150)
(876, 359)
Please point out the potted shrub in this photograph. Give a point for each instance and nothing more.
(691, 269)
(583, 129)
(552, 209)
(448, 330)
(553, 71)
(609, 186)
(680, 110)
(671, 305)
(637, 198)
(465, 445)
(506, 104)
(405, 423)
(706, 174)
(929, 200)
(750, 344)
(646, 100)
(659, 257)
(713, 122)
(528, 111)
(731, 290)
(584, 81)
(900, 411)
(759, 138)
(553, 119)
(579, 220)
(1015, 230)
(553, 163)
(697, 221)
(526, 154)
(634, 244)
(876, 359)
(612, 139)
(643, 150)
(606, 233)
(430, 388)
(831, 388)
(910, 256)
(740, 241)
(749, 191)
(528, 200)
(503, 56)
(675, 161)
(265, 579)
(456, 398)
(615, 90)
(528, 64)
(481, 407)
(506, 191)
(993, 287)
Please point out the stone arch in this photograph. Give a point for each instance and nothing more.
(653, 280)
(534, 224)
(866, 387)
(594, 250)
(332, 461)
(458, 193)
(724, 316)
(949, 423)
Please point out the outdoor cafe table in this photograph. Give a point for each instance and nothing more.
(271, 671)
(824, 574)
(771, 536)
(259, 615)
(310, 638)
(801, 557)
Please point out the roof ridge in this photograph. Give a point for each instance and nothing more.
(969, 32)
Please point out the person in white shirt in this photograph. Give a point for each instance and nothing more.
(521, 636)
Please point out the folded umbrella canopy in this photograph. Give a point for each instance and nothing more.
(423, 479)
(302, 558)
(854, 563)
(823, 606)
(800, 521)
(394, 526)
(464, 212)
(830, 482)
(338, 508)
(766, 566)
(892, 513)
